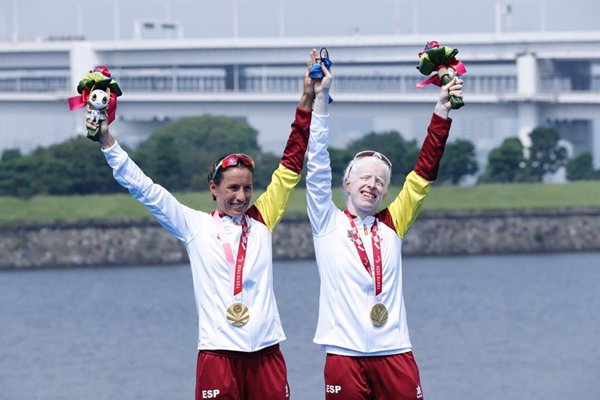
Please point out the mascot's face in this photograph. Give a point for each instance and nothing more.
(98, 99)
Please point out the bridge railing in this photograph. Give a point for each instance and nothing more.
(34, 84)
(173, 84)
(293, 84)
(217, 81)
(555, 83)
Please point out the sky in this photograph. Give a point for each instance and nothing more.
(28, 20)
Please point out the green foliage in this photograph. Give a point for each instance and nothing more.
(508, 163)
(505, 163)
(75, 166)
(52, 177)
(16, 176)
(161, 161)
(179, 156)
(196, 143)
(16, 173)
(546, 155)
(10, 154)
(581, 168)
(458, 161)
(72, 167)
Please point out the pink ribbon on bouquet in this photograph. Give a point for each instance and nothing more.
(456, 65)
(80, 101)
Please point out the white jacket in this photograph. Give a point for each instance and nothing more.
(213, 287)
(347, 290)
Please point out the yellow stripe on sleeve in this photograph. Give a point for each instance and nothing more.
(407, 205)
(274, 201)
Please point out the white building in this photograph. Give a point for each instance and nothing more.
(514, 83)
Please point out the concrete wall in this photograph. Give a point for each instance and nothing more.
(34, 245)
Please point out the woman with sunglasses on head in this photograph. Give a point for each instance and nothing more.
(362, 320)
(230, 254)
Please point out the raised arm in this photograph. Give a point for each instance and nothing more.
(271, 205)
(407, 205)
(318, 177)
(171, 214)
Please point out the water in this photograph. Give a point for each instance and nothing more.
(494, 328)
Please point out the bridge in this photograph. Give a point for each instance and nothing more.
(515, 82)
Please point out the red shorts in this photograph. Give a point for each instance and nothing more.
(235, 375)
(372, 378)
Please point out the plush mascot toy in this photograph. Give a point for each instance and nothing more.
(99, 92)
(442, 60)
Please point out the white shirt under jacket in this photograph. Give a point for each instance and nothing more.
(213, 284)
(347, 290)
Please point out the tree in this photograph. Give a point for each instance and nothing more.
(505, 163)
(177, 156)
(11, 154)
(546, 155)
(199, 141)
(52, 177)
(16, 176)
(581, 168)
(162, 162)
(458, 161)
(16, 173)
(75, 166)
(77, 162)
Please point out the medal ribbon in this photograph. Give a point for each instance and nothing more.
(362, 253)
(241, 254)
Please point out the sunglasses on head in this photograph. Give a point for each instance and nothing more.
(232, 160)
(375, 154)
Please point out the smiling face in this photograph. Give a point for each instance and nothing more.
(234, 191)
(366, 186)
(98, 99)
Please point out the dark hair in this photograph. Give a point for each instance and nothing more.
(219, 175)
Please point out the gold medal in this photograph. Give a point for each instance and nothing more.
(379, 315)
(238, 314)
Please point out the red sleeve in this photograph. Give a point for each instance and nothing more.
(385, 217)
(254, 213)
(432, 150)
(293, 155)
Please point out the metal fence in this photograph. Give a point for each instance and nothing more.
(200, 82)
